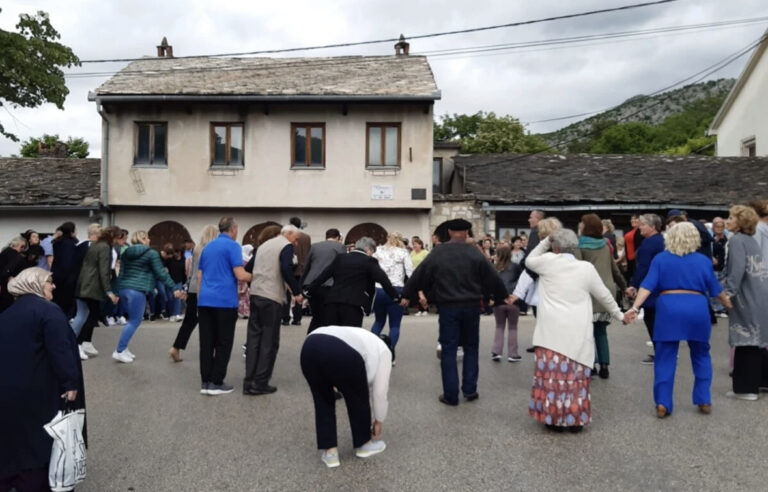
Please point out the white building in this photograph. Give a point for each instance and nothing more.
(741, 125)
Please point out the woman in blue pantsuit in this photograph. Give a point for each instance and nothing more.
(684, 281)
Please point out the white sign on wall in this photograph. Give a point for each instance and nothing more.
(382, 192)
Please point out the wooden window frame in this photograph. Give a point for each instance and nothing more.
(383, 126)
(747, 144)
(228, 157)
(152, 125)
(308, 146)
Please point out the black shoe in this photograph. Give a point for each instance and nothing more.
(446, 402)
(530, 350)
(554, 428)
(472, 397)
(259, 390)
(296, 323)
(603, 373)
(337, 395)
(575, 429)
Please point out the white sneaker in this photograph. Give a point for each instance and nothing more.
(89, 349)
(370, 448)
(121, 357)
(83, 355)
(460, 353)
(743, 396)
(122, 321)
(331, 460)
(111, 321)
(129, 353)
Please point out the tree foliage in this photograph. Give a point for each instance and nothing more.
(486, 133)
(76, 147)
(30, 65)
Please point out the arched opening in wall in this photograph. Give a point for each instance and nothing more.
(252, 235)
(168, 232)
(370, 229)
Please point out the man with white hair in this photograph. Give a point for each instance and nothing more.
(272, 271)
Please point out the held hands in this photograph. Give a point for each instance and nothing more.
(727, 302)
(376, 430)
(115, 299)
(298, 299)
(404, 302)
(629, 317)
(511, 299)
(179, 294)
(70, 395)
(631, 292)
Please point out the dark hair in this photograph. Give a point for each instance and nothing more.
(168, 248)
(226, 224)
(760, 206)
(268, 233)
(67, 229)
(503, 257)
(125, 232)
(417, 240)
(515, 238)
(295, 221)
(592, 226)
(332, 234)
(388, 342)
(28, 233)
(109, 234)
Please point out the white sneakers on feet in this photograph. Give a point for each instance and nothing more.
(88, 348)
(122, 321)
(129, 353)
(331, 459)
(83, 355)
(743, 396)
(111, 321)
(370, 448)
(122, 357)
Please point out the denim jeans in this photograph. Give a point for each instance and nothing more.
(384, 306)
(459, 326)
(174, 305)
(134, 302)
(80, 316)
(162, 293)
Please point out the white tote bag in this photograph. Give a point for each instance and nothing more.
(67, 466)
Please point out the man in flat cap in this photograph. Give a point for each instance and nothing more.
(456, 277)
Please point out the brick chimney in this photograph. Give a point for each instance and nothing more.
(402, 47)
(164, 50)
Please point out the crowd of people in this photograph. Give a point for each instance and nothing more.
(677, 275)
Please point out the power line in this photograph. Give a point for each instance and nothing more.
(452, 52)
(418, 36)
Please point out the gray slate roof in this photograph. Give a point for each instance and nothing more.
(50, 181)
(372, 76)
(614, 179)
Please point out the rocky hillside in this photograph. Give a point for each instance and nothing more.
(652, 110)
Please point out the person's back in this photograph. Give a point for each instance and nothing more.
(454, 274)
(218, 286)
(321, 255)
(268, 280)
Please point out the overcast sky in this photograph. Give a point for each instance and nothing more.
(532, 84)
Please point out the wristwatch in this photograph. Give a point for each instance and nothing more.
(633, 308)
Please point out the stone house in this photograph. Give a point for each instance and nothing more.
(341, 142)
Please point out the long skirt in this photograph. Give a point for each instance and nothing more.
(560, 394)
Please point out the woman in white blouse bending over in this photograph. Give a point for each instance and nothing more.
(396, 262)
(358, 364)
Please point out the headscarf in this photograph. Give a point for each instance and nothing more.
(247, 250)
(29, 281)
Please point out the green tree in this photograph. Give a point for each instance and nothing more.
(76, 147)
(486, 133)
(626, 138)
(697, 145)
(30, 72)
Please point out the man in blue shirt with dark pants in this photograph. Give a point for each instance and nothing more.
(220, 268)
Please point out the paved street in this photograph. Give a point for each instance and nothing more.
(151, 430)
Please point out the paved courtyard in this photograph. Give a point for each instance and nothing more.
(151, 430)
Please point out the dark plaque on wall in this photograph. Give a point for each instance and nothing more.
(418, 193)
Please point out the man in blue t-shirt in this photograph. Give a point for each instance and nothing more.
(219, 270)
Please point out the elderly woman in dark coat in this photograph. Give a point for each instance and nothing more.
(40, 364)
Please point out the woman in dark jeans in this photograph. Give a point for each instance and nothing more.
(210, 232)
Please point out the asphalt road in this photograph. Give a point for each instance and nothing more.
(151, 430)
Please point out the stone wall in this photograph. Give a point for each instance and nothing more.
(470, 210)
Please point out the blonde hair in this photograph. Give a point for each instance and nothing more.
(682, 238)
(608, 224)
(94, 230)
(395, 239)
(746, 219)
(139, 237)
(548, 226)
(208, 234)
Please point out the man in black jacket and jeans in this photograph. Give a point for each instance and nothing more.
(456, 277)
(354, 284)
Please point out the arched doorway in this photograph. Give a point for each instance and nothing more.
(168, 232)
(253, 233)
(370, 229)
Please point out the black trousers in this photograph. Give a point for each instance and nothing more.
(317, 305)
(287, 308)
(750, 369)
(262, 341)
(217, 333)
(649, 318)
(326, 361)
(336, 313)
(189, 323)
(94, 313)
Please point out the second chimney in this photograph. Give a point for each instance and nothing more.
(164, 50)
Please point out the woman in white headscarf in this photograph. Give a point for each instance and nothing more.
(40, 365)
